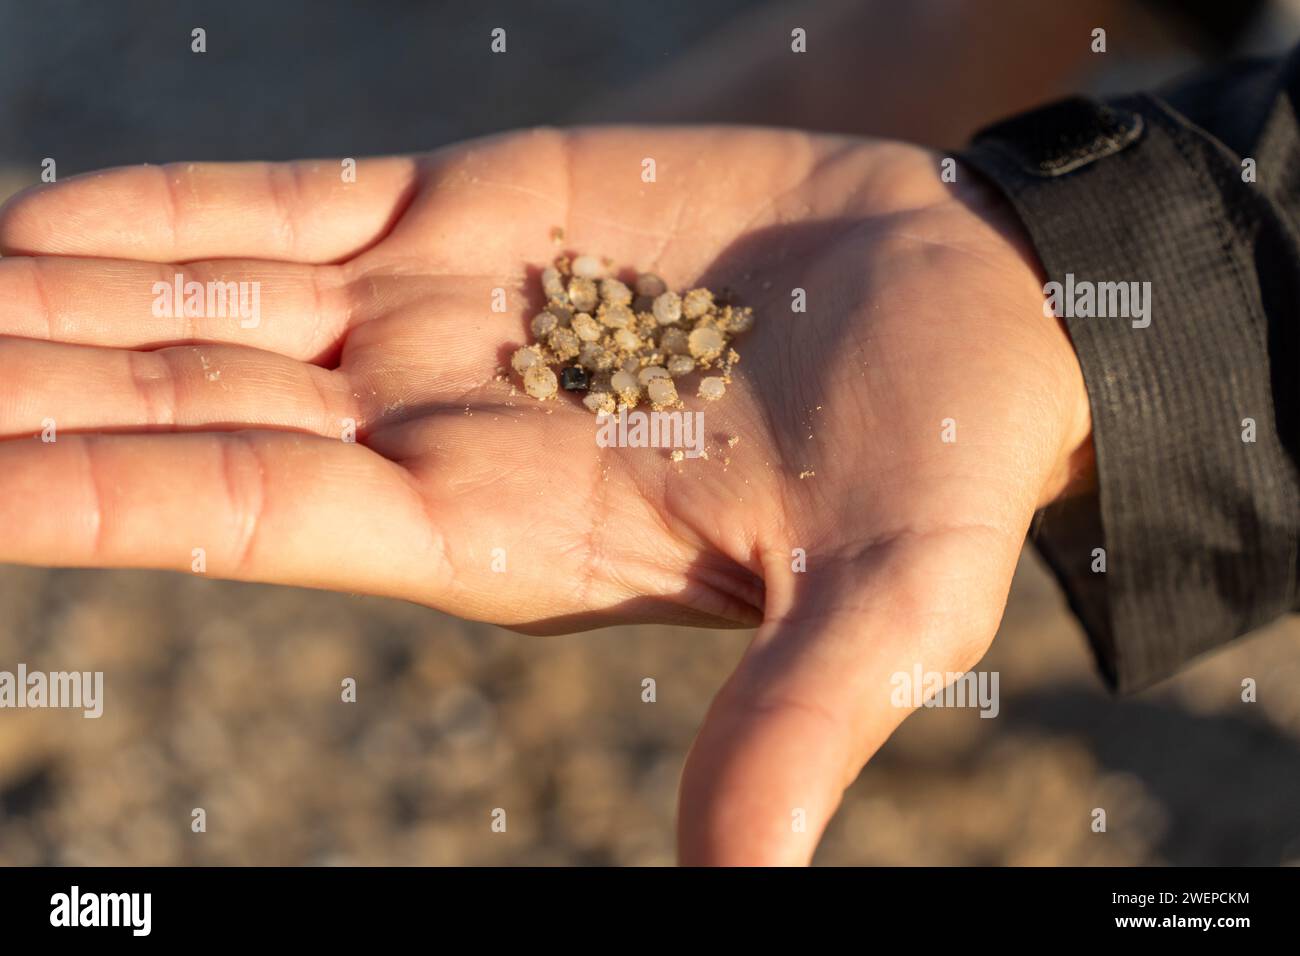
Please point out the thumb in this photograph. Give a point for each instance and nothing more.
(812, 699)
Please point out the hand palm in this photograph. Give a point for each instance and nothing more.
(918, 311)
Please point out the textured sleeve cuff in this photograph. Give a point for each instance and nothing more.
(1169, 263)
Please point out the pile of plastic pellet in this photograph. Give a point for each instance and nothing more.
(624, 345)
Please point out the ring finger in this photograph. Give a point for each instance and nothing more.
(212, 387)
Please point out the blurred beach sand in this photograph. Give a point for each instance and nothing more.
(226, 696)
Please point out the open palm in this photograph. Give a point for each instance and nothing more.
(841, 519)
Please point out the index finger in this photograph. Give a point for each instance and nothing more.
(313, 211)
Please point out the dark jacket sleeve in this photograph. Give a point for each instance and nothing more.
(1196, 191)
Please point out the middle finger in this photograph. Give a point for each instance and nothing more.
(300, 311)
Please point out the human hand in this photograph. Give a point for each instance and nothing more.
(923, 305)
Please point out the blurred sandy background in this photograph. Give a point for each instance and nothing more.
(226, 696)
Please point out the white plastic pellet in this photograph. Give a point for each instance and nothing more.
(525, 358)
(587, 328)
(543, 323)
(540, 382)
(668, 308)
(616, 316)
(553, 284)
(696, 303)
(564, 343)
(599, 402)
(614, 292)
(706, 343)
(712, 388)
(588, 267)
(595, 357)
(679, 365)
(740, 320)
(662, 391)
(582, 294)
(650, 373)
(627, 340)
(649, 284)
(625, 386)
(674, 342)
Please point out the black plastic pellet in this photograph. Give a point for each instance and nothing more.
(574, 379)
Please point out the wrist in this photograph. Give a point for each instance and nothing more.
(1074, 470)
